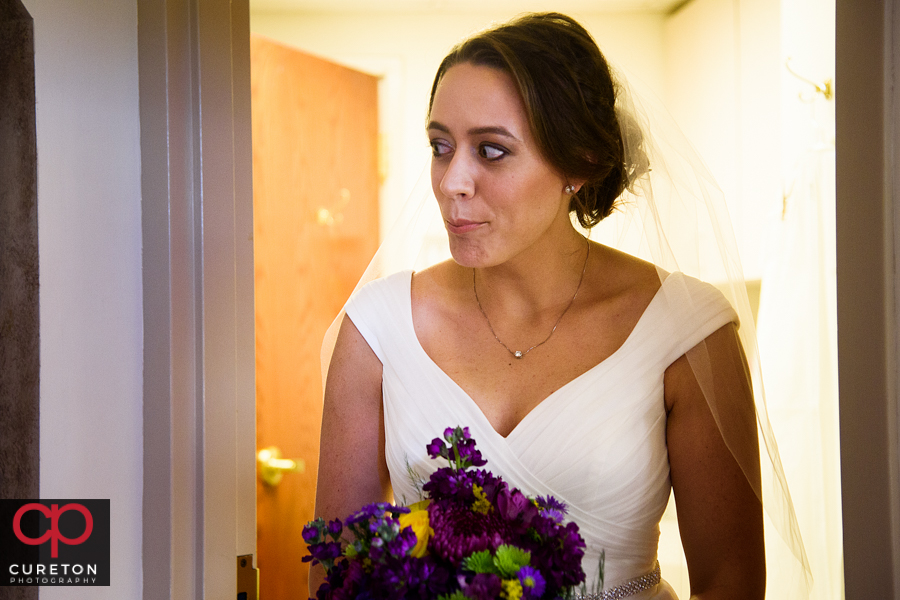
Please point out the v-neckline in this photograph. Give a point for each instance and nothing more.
(537, 407)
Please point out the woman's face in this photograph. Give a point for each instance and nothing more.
(497, 194)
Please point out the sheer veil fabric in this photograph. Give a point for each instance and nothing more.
(674, 215)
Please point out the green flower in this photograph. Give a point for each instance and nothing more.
(480, 562)
(510, 559)
(457, 595)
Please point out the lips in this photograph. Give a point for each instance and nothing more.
(459, 226)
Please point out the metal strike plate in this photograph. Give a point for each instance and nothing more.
(247, 578)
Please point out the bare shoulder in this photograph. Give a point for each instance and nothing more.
(440, 287)
(444, 274)
(352, 467)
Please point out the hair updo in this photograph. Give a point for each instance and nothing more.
(569, 96)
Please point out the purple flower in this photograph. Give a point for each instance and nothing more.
(347, 583)
(437, 448)
(553, 515)
(377, 519)
(484, 586)
(386, 583)
(324, 552)
(400, 546)
(469, 455)
(425, 579)
(516, 506)
(459, 531)
(551, 503)
(369, 511)
(335, 527)
(559, 554)
(447, 482)
(462, 453)
(491, 484)
(311, 533)
(532, 583)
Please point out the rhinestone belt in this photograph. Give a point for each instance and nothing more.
(630, 587)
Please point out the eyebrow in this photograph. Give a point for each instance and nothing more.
(496, 129)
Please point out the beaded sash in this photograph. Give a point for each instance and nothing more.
(630, 587)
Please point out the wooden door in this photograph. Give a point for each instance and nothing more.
(315, 228)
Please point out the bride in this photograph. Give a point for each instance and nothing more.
(570, 361)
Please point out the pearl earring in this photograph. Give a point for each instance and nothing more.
(570, 189)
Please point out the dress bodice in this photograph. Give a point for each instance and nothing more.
(598, 443)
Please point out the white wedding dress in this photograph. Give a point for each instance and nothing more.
(598, 443)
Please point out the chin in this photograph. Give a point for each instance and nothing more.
(468, 255)
(465, 260)
(475, 257)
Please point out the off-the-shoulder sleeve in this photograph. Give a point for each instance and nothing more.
(378, 310)
(695, 310)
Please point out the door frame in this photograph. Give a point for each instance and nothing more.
(199, 417)
(867, 110)
(199, 496)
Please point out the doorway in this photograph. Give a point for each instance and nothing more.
(315, 213)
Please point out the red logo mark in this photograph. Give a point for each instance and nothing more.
(53, 534)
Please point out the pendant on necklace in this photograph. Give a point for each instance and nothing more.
(519, 353)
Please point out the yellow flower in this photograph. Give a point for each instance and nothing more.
(418, 520)
(511, 589)
(481, 504)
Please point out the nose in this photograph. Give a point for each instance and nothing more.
(457, 181)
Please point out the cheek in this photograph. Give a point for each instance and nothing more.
(532, 199)
(436, 175)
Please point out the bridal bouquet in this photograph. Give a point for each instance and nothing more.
(473, 538)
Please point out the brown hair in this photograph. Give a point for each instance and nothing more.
(569, 95)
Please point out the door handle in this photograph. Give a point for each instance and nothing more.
(272, 467)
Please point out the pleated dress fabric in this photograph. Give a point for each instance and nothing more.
(598, 443)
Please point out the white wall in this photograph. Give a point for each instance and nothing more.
(405, 50)
(89, 208)
(723, 76)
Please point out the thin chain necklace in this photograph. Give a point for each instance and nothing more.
(522, 353)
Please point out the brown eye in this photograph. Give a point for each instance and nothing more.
(440, 148)
(492, 152)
